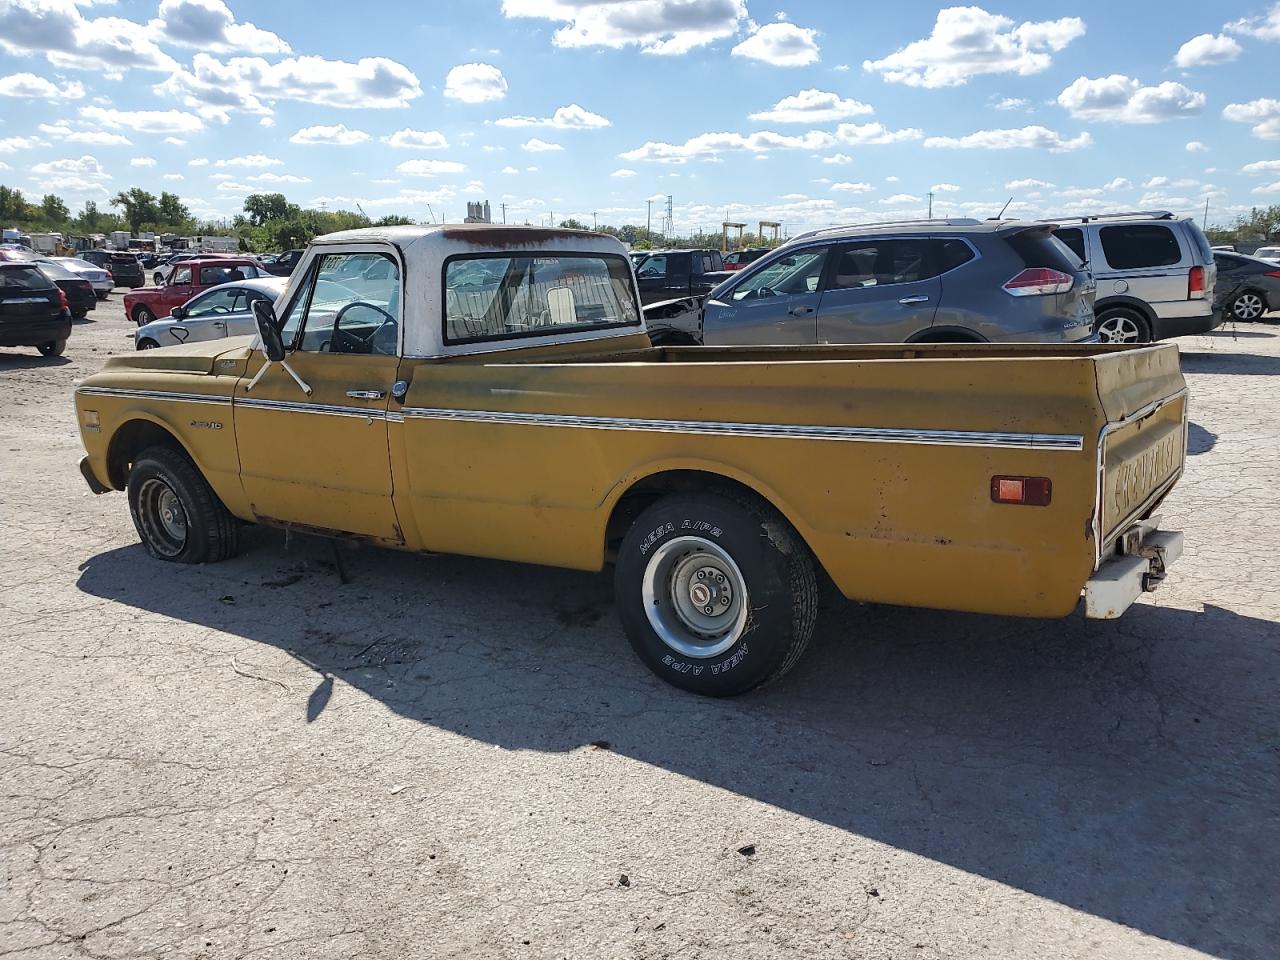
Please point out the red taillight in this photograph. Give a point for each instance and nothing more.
(1272, 273)
(62, 299)
(1028, 491)
(1038, 281)
(110, 275)
(1195, 283)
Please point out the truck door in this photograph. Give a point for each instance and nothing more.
(777, 303)
(321, 460)
(879, 291)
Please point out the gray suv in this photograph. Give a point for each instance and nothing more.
(1155, 274)
(934, 281)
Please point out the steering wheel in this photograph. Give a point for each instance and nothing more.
(344, 341)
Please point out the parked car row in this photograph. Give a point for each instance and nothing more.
(34, 310)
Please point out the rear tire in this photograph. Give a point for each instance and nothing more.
(142, 316)
(79, 314)
(716, 592)
(176, 513)
(1122, 325)
(53, 348)
(146, 343)
(1247, 307)
(158, 277)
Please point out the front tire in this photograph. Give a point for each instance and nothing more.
(1123, 326)
(142, 316)
(52, 348)
(1247, 307)
(176, 513)
(716, 592)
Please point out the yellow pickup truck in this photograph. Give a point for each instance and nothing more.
(490, 391)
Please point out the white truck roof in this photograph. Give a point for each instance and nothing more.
(422, 249)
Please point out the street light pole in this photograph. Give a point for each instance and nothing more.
(648, 222)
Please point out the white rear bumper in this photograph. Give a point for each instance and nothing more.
(1124, 577)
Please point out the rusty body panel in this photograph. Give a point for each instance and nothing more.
(881, 457)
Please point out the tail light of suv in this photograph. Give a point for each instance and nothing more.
(62, 299)
(1038, 282)
(1195, 283)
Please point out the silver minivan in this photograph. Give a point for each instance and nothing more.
(1155, 274)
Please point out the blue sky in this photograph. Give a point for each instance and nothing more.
(805, 112)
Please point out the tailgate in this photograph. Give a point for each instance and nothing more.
(1143, 446)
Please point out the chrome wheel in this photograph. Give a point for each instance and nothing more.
(1119, 328)
(163, 517)
(695, 597)
(1247, 306)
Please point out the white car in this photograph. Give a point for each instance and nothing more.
(99, 279)
(222, 311)
(1268, 253)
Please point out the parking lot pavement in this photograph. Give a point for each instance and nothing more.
(459, 758)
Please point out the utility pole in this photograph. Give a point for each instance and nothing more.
(1205, 223)
(594, 224)
(930, 204)
(648, 221)
(504, 213)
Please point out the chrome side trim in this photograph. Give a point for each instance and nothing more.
(290, 406)
(151, 395)
(783, 431)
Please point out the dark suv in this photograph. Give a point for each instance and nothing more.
(33, 311)
(934, 281)
(124, 267)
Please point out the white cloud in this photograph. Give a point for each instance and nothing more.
(417, 139)
(277, 178)
(1195, 146)
(11, 144)
(230, 186)
(781, 44)
(968, 41)
(1267, 190)
(869, 134)
(144, 121)
(1155, 182)
(58, 30)
(1263, 28)
(1125, 100)
(1119, 183)
(945, 188)
(253, 160)
(851, 187)
(198, 162)
(142, 162)
(708, 146)
(338, 135)
(1010, 103)
(429, 168)
(210, 25)
(266, 121)
(173, 176)
(31, 87)
(63, 132)
(663, 27)
(530, 169)
(248, 83)
(222, 176)
(1207, 50)
(1028, 184)
(572, 117)
(175, 141)
(1261, 166)
(623, 172)
(534, 145)
(82, 175)
(509, 170)
(899, 198)
(891, 179)
(475, 83)
(837, 159)
(813, 106)
(1030, 137)
(1263, 113)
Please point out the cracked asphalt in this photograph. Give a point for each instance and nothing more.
(460, 758)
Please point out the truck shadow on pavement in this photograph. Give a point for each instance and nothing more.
(1244, 364)
(1127, 769)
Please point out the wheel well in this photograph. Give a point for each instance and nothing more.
(129, 441)
(672, 338)
(947, 336)
(1132, 306)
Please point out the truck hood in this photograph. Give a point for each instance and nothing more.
(196, 357)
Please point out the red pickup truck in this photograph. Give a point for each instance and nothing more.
(185, 281)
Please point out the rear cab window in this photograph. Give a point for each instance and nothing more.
(23, 278)
(1139, 246)
(497, 298)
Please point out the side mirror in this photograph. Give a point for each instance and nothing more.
(178, 313)
(264, 316)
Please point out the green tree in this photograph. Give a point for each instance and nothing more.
(90, 217)
(53, 211)
(262, 207)
(13, 206)
(139, 207)
(572, 224)
(171, 211)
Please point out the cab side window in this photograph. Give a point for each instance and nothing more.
(794, 274)
(346, 306)
(181, 277)
(653, 267)
(879, 263)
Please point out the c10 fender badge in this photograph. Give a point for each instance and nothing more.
(206, 424)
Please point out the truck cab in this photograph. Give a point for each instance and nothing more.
(184, 281)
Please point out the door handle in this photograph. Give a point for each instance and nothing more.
(800, 311)
(919, 299)
(366, 394)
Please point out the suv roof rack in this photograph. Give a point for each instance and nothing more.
(1131, 215)
(941, 221)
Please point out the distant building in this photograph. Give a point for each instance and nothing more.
(478, 212)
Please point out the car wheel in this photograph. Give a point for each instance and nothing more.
(79, 314)
(176, 513)
(146, 343)
(1123, 326)
(52, 348)
(158, 278)
(142, 316)
(716, 593)
(1247, 306)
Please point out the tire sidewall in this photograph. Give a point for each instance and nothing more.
(1144, 328)
(766, 637)
(147, 468)
(142, 316)
(1235, 302)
